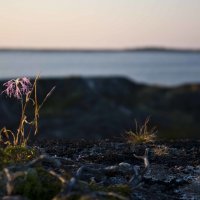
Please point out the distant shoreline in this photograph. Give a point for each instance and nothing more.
(145, 49)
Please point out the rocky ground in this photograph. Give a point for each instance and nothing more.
(116, 170)
(174, 171)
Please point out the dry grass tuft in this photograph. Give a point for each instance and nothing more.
(161, 150)
(142, 134)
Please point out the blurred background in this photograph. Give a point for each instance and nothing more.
(111, 62)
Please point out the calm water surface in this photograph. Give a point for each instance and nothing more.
(151, 68)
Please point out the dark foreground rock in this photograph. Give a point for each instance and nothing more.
(106, 107)
(105, 170)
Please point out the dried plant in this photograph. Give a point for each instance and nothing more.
(142, 134)
(161, 150)
(25, 92)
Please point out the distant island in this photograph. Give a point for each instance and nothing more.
(107, 50)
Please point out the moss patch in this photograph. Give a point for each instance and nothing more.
(16, 155)
(37, 184)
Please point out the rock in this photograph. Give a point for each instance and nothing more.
(125, 165)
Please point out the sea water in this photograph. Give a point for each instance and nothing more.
(160, 68)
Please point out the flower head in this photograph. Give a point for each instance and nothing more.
(17, 87)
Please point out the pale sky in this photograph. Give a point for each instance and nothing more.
(99, 23)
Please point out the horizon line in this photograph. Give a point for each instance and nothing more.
(136, 49)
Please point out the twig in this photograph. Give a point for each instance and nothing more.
(10, 179)
(44, 158)
(136, 179)
(58, 176)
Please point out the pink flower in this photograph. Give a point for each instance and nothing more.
(17, 87)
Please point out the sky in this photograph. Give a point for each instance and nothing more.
(99, 23)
